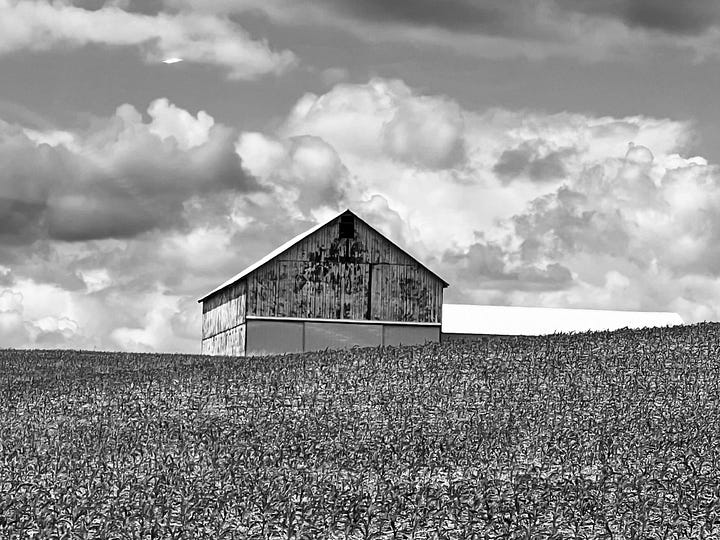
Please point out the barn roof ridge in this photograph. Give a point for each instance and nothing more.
(290, 243)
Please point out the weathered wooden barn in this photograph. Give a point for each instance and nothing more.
(339, 284)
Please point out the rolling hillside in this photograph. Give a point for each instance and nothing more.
(610, 434)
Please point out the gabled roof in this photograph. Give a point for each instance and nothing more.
(290, 243)
(534, 321)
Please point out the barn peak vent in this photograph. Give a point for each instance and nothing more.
(347, 226)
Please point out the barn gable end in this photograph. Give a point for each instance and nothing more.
(340, 284)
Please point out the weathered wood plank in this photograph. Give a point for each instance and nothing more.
(230, 342)
(224, 317)
(228, 293)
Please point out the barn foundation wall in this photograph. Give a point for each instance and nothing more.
(279, 336)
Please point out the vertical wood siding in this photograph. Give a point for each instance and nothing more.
(262, 287)
(324, 276)
(228, 343)
(224, 310)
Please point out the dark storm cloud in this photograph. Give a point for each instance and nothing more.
(462, 15)
(118, 181)
(484, 265)
(20, 220)
(513, 17)
(672, 16)
(526, 160)
(147, 189)
(146, 7)
(516, 18)
(566, 222)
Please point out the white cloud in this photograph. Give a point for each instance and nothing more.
(19, 329)
(121, 178)
(13, 332)
(169, 121)
(304, 171)
(261, 154)
(196, 38)
(153, 332)
(427, 132)
(95, 279)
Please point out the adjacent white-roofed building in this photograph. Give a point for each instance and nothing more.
(465, 320)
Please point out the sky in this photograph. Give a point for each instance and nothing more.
(556, 153)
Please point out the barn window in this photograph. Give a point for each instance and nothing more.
(347, 226)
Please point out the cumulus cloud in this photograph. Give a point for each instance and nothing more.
(206, 39)
(171, 122)
(13, 332)
(426, 131)
(119, 179)
(387, 118)
(304, 170)
(16, 330)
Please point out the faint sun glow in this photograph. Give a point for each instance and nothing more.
(172, 60)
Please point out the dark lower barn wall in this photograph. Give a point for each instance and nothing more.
(278, 336)
(223, 321)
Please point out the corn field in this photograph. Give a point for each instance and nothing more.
(600, 435)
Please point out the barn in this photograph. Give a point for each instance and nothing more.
(339, 284)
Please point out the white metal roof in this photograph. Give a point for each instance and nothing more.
(533, 321)
(290, 243)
